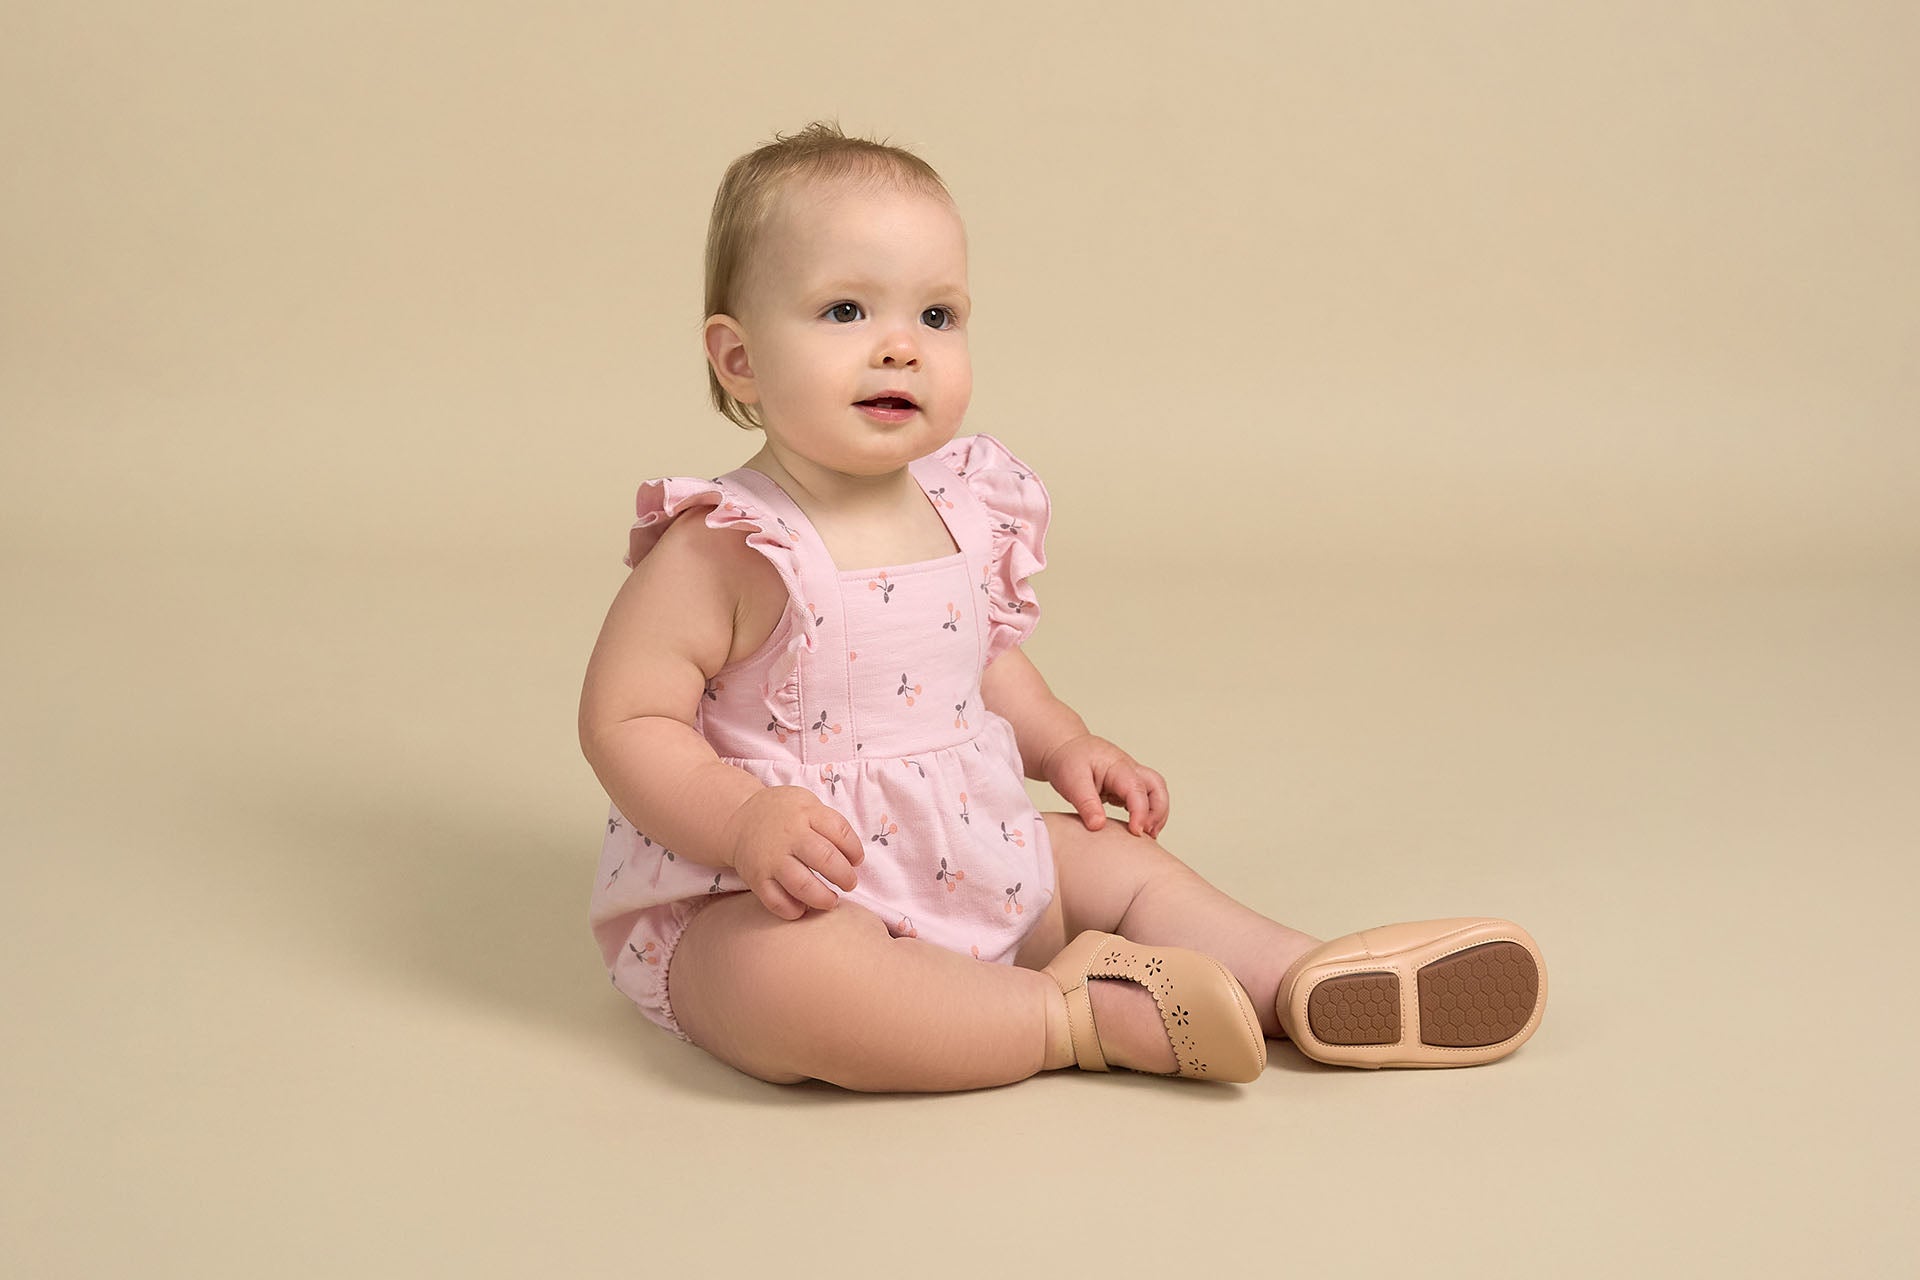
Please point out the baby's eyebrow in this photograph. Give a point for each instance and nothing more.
(951, 290)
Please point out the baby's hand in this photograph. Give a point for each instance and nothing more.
(777, 835)
(1088, 769)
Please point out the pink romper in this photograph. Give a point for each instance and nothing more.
(868, 695)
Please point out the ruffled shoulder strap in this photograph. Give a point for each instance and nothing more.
(1018, 509)
(659, 501)
(728, 505)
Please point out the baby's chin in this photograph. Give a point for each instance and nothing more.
(871, 449)
(887, 448)
(921, 440)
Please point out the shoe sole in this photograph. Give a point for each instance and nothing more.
(1475, 1004)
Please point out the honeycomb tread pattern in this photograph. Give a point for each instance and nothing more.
(1479, 996)
(1356, 1008)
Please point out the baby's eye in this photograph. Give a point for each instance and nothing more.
(945, 311)
(836, 306)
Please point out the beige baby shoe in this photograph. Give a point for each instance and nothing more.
(1210, 1021)
(1432, 993)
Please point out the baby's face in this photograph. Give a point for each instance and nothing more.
(855, 295)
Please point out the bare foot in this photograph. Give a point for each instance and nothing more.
(1129, 1026)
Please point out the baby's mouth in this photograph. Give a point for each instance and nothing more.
(890, 402)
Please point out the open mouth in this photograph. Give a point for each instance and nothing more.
(889, 402)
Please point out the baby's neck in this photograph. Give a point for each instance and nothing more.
(823, 492)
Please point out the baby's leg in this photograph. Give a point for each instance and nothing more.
(1117, 882)
(833, 996)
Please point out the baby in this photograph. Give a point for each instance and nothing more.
(811, 712)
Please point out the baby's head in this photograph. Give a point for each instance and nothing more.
(837, 271)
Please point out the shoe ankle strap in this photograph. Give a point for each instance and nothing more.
(1086, 1041)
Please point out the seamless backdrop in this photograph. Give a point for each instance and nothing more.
(1485, 452)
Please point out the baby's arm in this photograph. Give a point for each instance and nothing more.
(670, 627)
(1056, 748)
(1013, 689)
(669, 630)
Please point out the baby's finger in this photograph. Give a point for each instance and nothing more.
(824, 857)
(778, 901)
(1081, 791)
(800, 882)
(829, 823)
(1127, 790)
(1156, 802)
(1136, 802)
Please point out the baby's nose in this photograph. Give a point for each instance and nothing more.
(899, 348)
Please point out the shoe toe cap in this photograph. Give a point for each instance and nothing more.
(1215, 1031)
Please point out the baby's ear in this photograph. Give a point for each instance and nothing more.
(726, 344)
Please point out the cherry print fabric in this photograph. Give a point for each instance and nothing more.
(868, 695)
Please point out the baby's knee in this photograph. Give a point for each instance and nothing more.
(1112, 852)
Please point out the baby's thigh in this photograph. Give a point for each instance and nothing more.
(749, 987)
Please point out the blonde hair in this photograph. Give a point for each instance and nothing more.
(750, 194)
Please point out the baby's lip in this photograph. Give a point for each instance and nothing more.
(891, 395)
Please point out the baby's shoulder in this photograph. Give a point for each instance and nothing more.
(722, 550)
(723, 556)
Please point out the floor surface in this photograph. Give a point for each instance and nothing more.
(300, 982)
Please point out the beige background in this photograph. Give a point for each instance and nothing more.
(1486, 478)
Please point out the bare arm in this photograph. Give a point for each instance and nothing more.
(668, 631)
(1013, 688)
(1057, 748)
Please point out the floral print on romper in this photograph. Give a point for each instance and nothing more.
(868, 695)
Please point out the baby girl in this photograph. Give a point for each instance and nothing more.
(811, 712)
